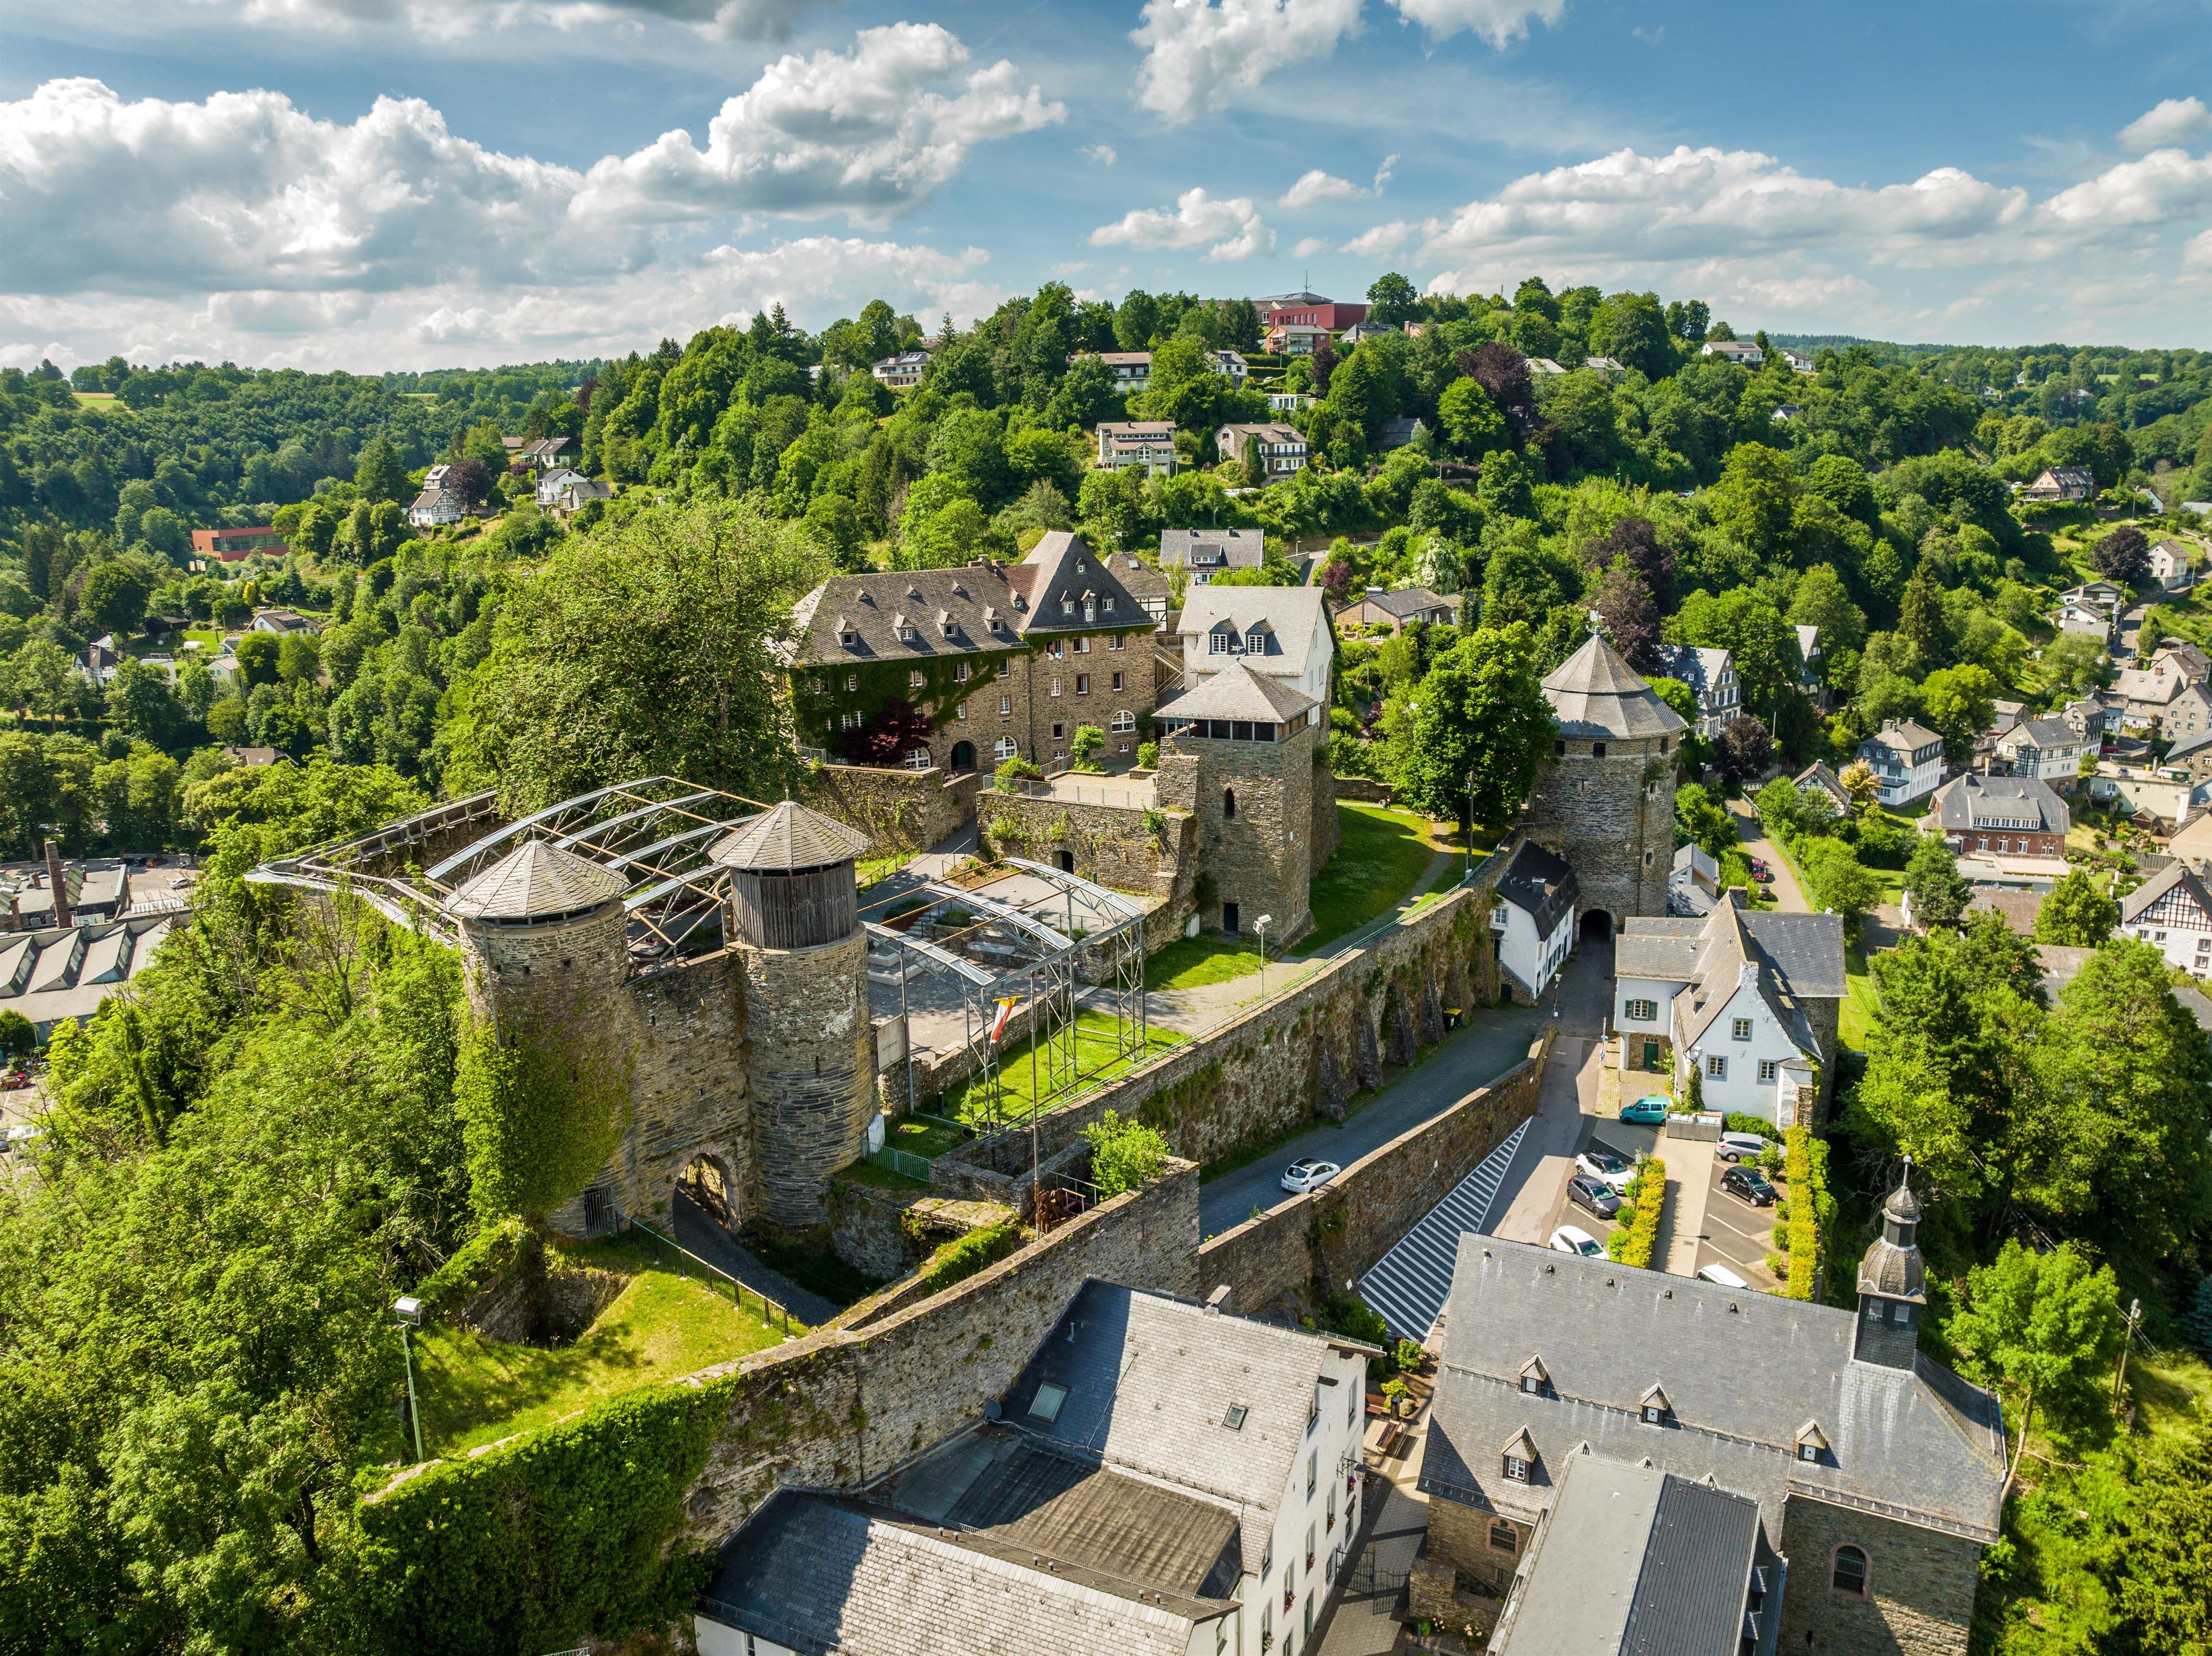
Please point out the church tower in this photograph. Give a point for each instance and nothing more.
(1893, 1283)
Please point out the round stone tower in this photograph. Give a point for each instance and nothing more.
(543, 933)
(795, 927)
(1606, 803)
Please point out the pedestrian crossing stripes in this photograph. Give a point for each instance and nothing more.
(1411, 1283)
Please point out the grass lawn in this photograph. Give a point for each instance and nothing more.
(1097, 1061)
(94, 399)
(1189, 962)
(822, 1273)
(928, 1140)
(1382, 857)
(869, 870)
(661, 1327)
(1856, 1019)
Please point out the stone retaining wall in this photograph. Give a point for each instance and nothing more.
(1112, 845)
(897, 810)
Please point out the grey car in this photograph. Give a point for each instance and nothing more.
(1593, 1195)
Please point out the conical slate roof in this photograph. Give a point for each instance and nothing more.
(536, 881)
(1892, 1268)
(788, 837)
(1596, 695)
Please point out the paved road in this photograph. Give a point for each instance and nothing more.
(1493, 1042)
(1566, 1107)
(1784, 890)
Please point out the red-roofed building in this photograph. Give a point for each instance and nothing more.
(236, 545)
(1311, 311)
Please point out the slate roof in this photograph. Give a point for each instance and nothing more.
(1294, 615)
(1404, 602)
(1808, 949)
(1742, 1371)
(2175, 876)
(1212, 549)
(2041, 733)
(1905, 737)
(786, 837)
(2154, 687)
(818, 1574)
(1967, 802)
(1071, 588)
(1817, 774)
(1396, 433)
(1238, 692)
(1799, 956)
(536, 881)
(1594, 694)
(2189, 745)
(1695, 665)
(1149, 1379)
(1636, 1559)
(1541, 885)
(49, 972)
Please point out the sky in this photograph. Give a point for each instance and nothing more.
(412, 183)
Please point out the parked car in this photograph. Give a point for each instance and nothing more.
(1569, 1238)
(1722, 1275)
(1648, 1111)
(1306, 1173)
(1740, 1147)
(1750, 1184)
(1760, 871)
(13, 1083)
(1607, 1165)
(1592, 1194)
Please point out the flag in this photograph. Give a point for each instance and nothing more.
(998, 1024)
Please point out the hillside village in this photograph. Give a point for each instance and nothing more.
(1480, 973)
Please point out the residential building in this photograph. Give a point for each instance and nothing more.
(54, 894)
(1694, 886)
(1532, 924)
(2193, 754)
(1282, 447)
(2163, 698)
(1817, 776)
(1145, 583)
(1878, 1474)
(550, 454)
(2162, 798)
(435, 505)
(1360, 332)
(1742, 351)
(902, 371)
(1606, 369)
(1294, 339)
(550, 485)
(2084, 620)
(1710, 675)
(1808, 654)
(2012, 816)
(99, 660)
(2091, 719)
(1146, 443)
(2170, 566)
(2048, 750)
(1798, 360)
(575, 494)
(2069, 485)
(1393, 609)
(2187, 659)
(1751, 1001)
(1310, 310)
(1907, 759)
(2061, 964)
(67, 972)
(1210, 552)
(1131, 370)
(252, 758)
(1231, 365)
(1784, 413)
(1397, 434)
(1282, 632)
(236, 545)
(280, 621)
(1005, 660)
(1539, 367)
(2106, 595)
(2172, 911)
(1163, 1479)
(1288, 402)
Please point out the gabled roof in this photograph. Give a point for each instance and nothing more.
(1405, 601)
(1818, 775)
(869, 603)
(1238, 692)
(2176, 877)
(2041, 733)
(1297, 617)
(536, 881)
(1594, 694)
(1071, 588)
(788, 837)
(1540, 884)
(1212, 549)
(1903, 736)
(1696, 665)
(1742, 1370)
(1973, 801)
(2189, 746)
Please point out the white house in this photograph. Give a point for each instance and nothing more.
(1532, 926)
(1282, 448)
(550, 485)
(1907, 758)
(1210, 552)
(901, 372)
(2106, 595)
(1231, 365)
(1162, 1478)
(1288, 402)
(2070, 484)
(2170, 566)
(1751, 1001)
(1281, 631)
(1710, 675)
(1146, 443)
(2173, 912)
(1131, 370)
(2084, 620)
(1742, 351)
(435, 505)
(1693, 884)
(2169, 795)
(2048, 750)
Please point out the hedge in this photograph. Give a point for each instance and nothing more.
(965, 1256)
(485, 1257)
(1633, 1244)
(1805, 1167)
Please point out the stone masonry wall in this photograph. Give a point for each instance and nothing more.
(1920, 1585)
(1326, 834)
(1261, 859)
(1111, 844)
(1611, 817)
(838, 1408)
(1826, 1019)
(897, 810)
(1337, 1234)
(810, 1056)
(1459, 1536)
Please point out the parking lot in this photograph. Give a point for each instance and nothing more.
(1736, 1235)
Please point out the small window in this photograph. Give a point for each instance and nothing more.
(1005, 747)
(1083, 684)
(960, 712)
(1228, 801)
(1124, 722)
(852, 682)
(1849, 1571)
(1005, 705)
(1058, 732)
(1068, 606)
(1517, 1469)
(1045, 1406)
(960, 673)
(848, 721)
(1532, 1384)
(918, 760)
(1717, 1069)
(1769, 1069)
(914, 679)
(1233, 1420)
(1006, 668)
(1056, 684)
(1597, 750)
(1642, 1011)
(1217, 643)
(1083, 646)
(1503, 1537)
(1741, 1028)
(1558, 747)
(1117, 681)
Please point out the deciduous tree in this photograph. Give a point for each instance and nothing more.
(1478, 727)
(2077, 912)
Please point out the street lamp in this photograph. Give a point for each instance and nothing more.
(1261, 925)
(409, 1310)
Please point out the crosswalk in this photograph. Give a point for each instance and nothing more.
(1411, 1283)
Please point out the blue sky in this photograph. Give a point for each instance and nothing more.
(369, 184)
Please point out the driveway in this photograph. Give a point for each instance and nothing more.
(1491, 1042)
(1736, 1235)
(1784, 888)
(1567, 1105)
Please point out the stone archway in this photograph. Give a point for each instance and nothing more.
(1595, 925)
(963, 758)
(706, 1183)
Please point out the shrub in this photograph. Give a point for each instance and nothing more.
(1782, 1211)
(1781, 1238)
(1778, 1265)
(1408, 1355)
(1083, 748)
(1124, 1155)
(1627, 1215)
(1148, 755)
(1740, 1121)
(1014, 770)
(1353, 1317)
(965, 1256)
(1809, 1209)
(1694, 1094)
(1638, 1239)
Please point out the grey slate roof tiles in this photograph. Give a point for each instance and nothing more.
(536, 881)
(1596, 695)
(789, 836)
(1236, 691)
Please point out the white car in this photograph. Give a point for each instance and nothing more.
(1306, 1173)
(1722, 1275)
(1572, 1239)
(1740, 1147)
(1608, 1166)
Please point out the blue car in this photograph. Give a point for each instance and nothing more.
(1649, 1111)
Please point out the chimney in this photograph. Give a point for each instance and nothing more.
(1218, 1299)
(62, 916)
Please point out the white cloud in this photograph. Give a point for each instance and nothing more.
(1233, 225)
(1382, 240)
(1318, 186)
(1384, 173)
(864, 132)
(1102, 153)
(1200, 54)
(1501, 23)
(449, 20)
(1309, 246)
(2175, 120)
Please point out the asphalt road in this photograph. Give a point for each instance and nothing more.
(1491, 1042)
(1783, 886)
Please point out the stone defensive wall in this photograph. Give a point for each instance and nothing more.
(897, 810)
(1153, 853)
(1294, 1057)
(1292, 1253)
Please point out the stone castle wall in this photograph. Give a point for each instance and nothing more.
(1920, 1585)
(1262, 859)
(1612, 816)
(897, 810)
(810, 1055)
(1111, 844)
(1326, 832)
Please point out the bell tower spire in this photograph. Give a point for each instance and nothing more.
(1893, 1283)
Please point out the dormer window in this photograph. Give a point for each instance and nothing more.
(1812, 1443)
(1535, 1377)
(905, 629)
(1255, 642)
(1107, 605)
(1655, 1407)
(1221, 642)
(1520, 1458)
(847, 634)
(1067, 606)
